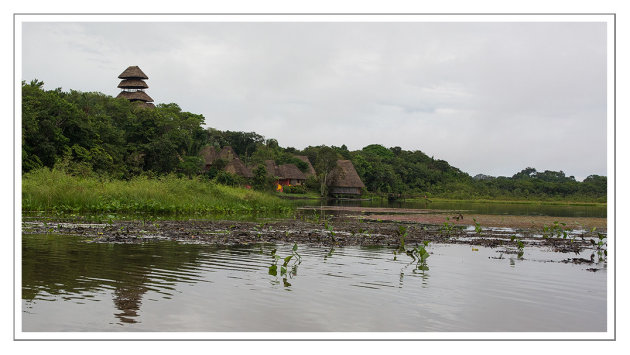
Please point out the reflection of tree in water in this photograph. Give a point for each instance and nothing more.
(128, 298)
(62, 265)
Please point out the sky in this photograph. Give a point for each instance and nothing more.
(488, 97)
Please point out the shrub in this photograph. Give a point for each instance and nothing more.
(294, 189)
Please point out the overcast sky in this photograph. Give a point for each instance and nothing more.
(489, 98)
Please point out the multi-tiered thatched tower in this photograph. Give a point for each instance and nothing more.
(133, 86)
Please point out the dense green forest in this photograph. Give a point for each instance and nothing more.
(95, 135)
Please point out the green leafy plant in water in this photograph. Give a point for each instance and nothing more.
(422, 255)
(478, 228)
(330, 230)
(557, 229)
(402, 234)
(519, 246)
(330, 253)
(273, 269)
(447, 226)
(601, 246)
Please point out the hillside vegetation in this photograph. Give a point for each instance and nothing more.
(96, 137)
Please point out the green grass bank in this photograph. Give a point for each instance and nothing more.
(56, 191)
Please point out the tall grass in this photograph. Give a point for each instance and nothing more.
(56, 191)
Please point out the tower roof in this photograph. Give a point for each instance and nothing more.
(135, 95)
(133, 84)
(133, 72)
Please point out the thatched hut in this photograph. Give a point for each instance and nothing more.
(133, 85)
(233, 164)
(209, 155)
(237, 167)
(289, 174)
(228, 154)
(285, 174)
(310, 171)
(271, 167)
(344, 180)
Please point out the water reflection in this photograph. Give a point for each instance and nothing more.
(64, 265)
(166, 286)
(128, 299)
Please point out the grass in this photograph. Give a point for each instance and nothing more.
(56, 191)
(528, 202)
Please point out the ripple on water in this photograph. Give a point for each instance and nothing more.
(89, 287)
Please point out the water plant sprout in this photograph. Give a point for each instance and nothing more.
(273, 269)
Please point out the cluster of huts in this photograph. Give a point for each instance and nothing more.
(343, 180)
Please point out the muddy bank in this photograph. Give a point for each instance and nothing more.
(334, 232)
(456, 217)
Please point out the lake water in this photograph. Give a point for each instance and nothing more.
(69, 284)
(473, 207)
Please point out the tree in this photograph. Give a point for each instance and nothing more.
(325, 162)
(190, 165)
(261, 180)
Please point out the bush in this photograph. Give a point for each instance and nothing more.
(294, 189)
(228, 179)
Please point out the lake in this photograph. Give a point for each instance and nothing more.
(70, 284)
(476, 207)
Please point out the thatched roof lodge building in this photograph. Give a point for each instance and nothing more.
(310, 171)
(285, 174)
(236, 166)
(233, 165)
(344, 180)
(132, 86)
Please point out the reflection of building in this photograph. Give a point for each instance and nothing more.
(133, 86)
(344, 179)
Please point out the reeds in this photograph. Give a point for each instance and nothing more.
(56, 191)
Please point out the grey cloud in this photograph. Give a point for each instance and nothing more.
(490, 98)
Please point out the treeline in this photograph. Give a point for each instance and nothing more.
(96, 134)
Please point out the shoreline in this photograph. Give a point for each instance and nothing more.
(335, 231)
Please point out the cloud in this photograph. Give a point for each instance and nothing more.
(487, 97)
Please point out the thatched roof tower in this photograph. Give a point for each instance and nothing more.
(133, 86)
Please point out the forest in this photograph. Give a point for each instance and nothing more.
(90, 134)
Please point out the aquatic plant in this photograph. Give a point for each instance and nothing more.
(478, 228)
(422, 255)
(447, 226)
(273, 268)
(557, 229)
(330, 253)
(330, 230)
(402, 233)
(519, 246)
(601, 247)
